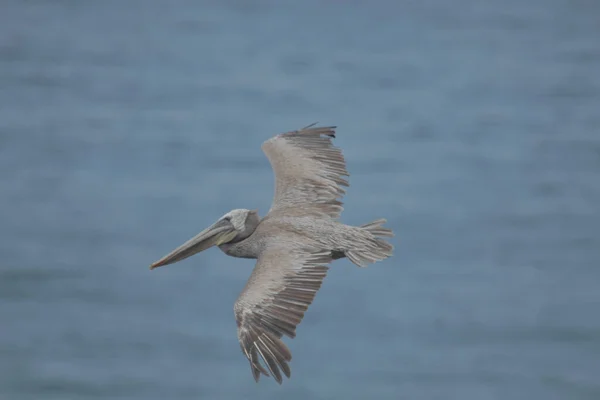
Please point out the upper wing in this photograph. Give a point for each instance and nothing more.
(280, 289)
(308, 169)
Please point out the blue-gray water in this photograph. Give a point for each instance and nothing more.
(472, 126)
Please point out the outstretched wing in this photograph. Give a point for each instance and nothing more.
(309, 170)
(279, 291)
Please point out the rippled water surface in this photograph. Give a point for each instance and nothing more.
(472, 126)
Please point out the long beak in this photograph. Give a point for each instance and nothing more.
(220, 232)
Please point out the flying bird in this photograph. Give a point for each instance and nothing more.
(293, 244)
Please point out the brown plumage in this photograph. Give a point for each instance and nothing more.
(293, 244)
(309, 170)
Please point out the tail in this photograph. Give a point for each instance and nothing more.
(371, 247)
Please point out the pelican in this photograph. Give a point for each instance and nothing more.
(293, 244)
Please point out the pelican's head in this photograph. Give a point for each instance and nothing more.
(232, 227)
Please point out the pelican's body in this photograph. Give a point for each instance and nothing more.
(293, 244)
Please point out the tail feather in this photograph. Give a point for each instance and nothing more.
(373, 248)
(376, 228)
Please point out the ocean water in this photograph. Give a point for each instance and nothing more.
(472, 126)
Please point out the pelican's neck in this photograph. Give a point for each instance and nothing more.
(246, 248)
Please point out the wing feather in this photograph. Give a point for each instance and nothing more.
(309, 170)
(280, 289)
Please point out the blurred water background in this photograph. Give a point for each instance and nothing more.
(473, 126)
